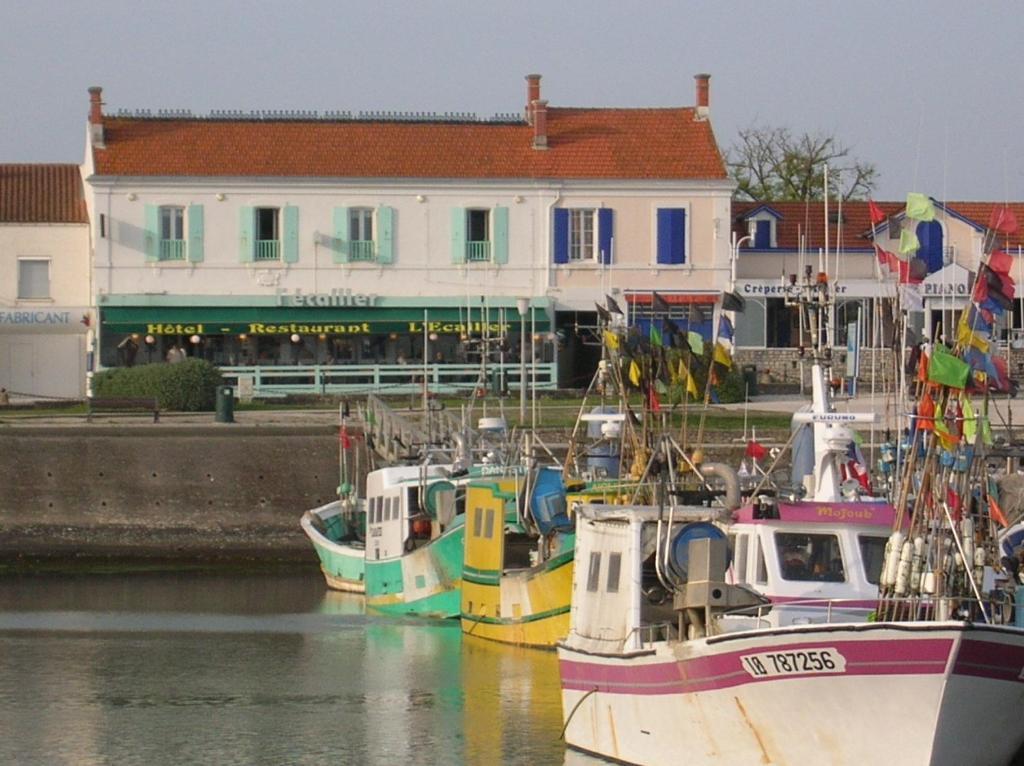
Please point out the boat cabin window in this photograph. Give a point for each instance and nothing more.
(594, 575)
(740, 543)
(872, 552)
(478, 521)
(412, 501)
(373, 510)
(761, 575)
(808, 557)
(614, 565)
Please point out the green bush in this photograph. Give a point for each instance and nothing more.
(189, 386)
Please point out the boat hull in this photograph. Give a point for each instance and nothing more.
(912, 693)
(426, 581)
(341, 561)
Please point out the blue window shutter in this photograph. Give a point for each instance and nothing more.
(679, 235)
(290, 243)
(341, 238)
(385, 235)
(604, 235)
(195, 233)
(151, 237)
(763, 235)
(500, 235)
(561, 243)
(458, 235)
(246, 226)
(665, 235)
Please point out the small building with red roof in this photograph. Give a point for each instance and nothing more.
(44, 281)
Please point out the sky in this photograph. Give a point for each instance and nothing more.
(931, 93)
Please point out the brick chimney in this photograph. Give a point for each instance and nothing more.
(540, 124)
(96, 116)
(703, 96)
(532, 94)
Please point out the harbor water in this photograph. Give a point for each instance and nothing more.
(256, 669)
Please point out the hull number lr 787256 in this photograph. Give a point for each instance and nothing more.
(798, 662)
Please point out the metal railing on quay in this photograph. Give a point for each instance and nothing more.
(281, 380)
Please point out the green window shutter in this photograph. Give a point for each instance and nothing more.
(290, 243)
(458, 235)
(385, 235)
(341, 238)
(195, 233)
(246, 227)
(500, 235)
(151, 237)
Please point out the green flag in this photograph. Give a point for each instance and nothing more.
(655, 335)
(909, 242)
(946, 369)
(920, 207)
(696, 341)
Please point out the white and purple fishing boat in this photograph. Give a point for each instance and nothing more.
(788, 655)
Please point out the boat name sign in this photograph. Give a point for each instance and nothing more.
(803, 662)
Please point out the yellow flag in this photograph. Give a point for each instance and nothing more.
(634, 373)
(721, 355)
(691, 385)
(970, 421)
(965, 336)
(611, 340)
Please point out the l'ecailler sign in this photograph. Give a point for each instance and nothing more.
(337, 297)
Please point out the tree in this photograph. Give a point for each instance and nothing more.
(773, 164)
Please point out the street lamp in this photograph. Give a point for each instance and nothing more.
(522, 306)
(734, 258)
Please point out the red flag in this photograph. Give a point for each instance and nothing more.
(1000, 261)
(996, 512)
(755, 450)
(1003, 220)
(877, 216)
(654, 401)
(346, 443)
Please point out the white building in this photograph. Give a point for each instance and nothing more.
(44, 281)
(359, 242)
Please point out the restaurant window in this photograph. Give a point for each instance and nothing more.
(782, 328)
(268, 234)
(172, 233)
(750, 324)
(360, 232)
(478, 235)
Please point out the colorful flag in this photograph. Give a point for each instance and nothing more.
(634, 372)
(947, 369)
(655, 335)
(996, 512)
(755, 450)
(659, 304)
(1000, 261)
(346, 442)
(725, 328)
(1003, 220)
(877, 216)
(970, 422)
(696, 341)
(909, 243)
(965, 336)
(611, 340)
(920, 207)
(613, 307)
(722, 356)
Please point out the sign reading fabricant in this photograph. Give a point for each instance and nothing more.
(50, 319)
(337, 297)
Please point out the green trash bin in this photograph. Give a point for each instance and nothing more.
(225, 404)
(749, 372)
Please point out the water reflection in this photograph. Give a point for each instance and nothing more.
(254, 670)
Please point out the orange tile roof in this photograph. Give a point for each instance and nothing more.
(807, 219)
(41, 194)
(661, 144)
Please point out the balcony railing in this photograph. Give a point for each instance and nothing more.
(267, 250)
(172, 249)
(477, 252)
(361, 250)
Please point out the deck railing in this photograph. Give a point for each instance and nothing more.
(281, 380)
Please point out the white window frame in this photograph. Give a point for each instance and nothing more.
(49, 278)
(583, 224)
(257, 211)
(171, 223)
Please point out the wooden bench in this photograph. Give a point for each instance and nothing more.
(123, 404)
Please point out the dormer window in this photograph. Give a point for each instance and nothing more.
(762, 229)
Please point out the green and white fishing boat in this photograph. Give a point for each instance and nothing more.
(337, 531)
